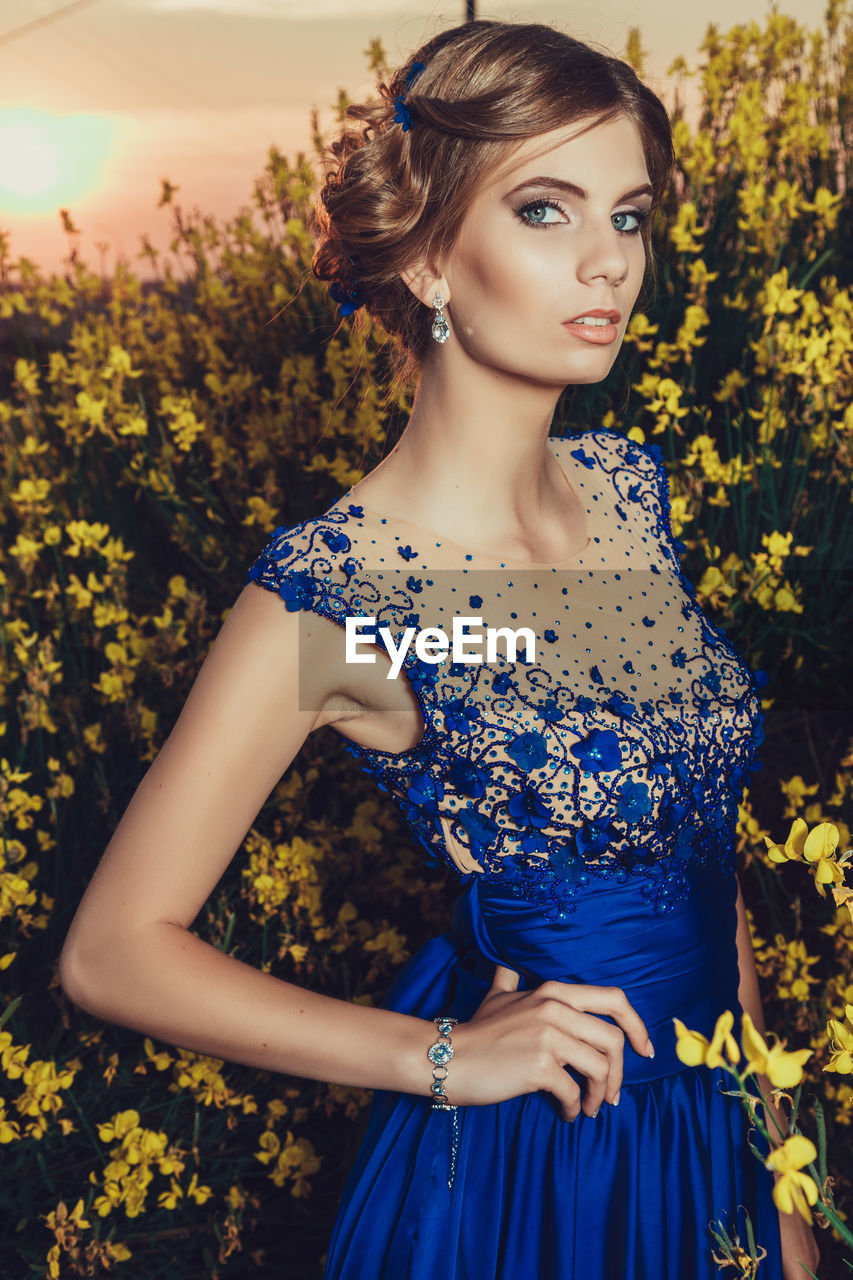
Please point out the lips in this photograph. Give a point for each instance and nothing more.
(608, 313)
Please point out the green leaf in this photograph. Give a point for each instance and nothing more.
(10, 1009)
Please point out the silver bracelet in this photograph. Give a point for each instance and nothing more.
(439, 1055)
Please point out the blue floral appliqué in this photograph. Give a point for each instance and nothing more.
(529, 809)
(529, 751)
(600, 752)
(298, 591)
(336, 541)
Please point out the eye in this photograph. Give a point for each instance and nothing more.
(639, 215)
(539, 207)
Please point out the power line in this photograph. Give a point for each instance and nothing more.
(113, 56)
(132, 66)
(46, 20)
(61, 74)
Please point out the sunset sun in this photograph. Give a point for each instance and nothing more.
(51, 160)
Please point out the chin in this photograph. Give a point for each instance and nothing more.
(594, 375)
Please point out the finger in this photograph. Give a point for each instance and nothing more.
(613, 1002)
(589, 1062)
(606, 1038)
(505, 979)
(566, 1091)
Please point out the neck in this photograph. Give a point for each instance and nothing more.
(476, 459)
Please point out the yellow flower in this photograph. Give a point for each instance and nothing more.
(722, 1036)
(26, 551)
(199, 1193)
(694, 1050)
(817, 847)
(391, 941)
(31, 492)
(783, 1069)
(684, 231)
(26, 376)
(10, 1130)
(793, 1189)
(160, 1060)
(270, 1147)
(122, 1123)
(183, 424)
(841, 1043)
(169, 1199)
(261, 513)
(235, 1197)
(13, 1056)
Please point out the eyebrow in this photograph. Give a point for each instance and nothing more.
(572, 189)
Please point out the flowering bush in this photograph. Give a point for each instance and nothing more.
(153, 434)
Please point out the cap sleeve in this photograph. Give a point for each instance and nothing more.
(309, 566)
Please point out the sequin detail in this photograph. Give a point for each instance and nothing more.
(622, 750)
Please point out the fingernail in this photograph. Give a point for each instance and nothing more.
(651, 1050)
(615, 1102)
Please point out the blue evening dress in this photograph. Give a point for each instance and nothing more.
(585, 795)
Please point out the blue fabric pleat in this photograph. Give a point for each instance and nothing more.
(629, 1195)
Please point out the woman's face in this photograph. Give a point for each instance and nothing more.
(532, 254)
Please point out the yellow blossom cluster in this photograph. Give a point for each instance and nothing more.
(291, 1161)
(784, 1069)
(68, 1226)
(818, 848)
(41, 1095)
(136, 1154)
(284, 873)
(201, 1076)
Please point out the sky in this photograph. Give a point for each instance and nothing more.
(100, 100)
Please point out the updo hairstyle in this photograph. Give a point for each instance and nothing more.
(396, 196)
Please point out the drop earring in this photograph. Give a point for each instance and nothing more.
(440, 327)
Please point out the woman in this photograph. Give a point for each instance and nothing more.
(494, 213)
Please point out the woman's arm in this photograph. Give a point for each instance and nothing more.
(130, 957)
(799, 1246)
(749, 996)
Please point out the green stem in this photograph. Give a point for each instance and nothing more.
(826, 1209)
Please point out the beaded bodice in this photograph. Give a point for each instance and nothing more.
(617, 746)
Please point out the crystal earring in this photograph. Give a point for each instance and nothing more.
(440, 327)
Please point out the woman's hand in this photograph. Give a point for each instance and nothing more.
(798, 1245)
(519, 1041)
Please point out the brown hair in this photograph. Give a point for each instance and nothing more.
(395, 196)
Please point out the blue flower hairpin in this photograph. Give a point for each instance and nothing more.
(350, 299)
(403, 114)
(417, 68)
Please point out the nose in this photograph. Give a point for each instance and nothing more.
(603, 254)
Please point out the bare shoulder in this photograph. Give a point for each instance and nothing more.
(306, 653)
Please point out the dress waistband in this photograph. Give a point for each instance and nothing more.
(682, 964)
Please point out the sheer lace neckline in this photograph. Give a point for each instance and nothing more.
(481, 555)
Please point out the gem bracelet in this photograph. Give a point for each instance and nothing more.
(439, 1055)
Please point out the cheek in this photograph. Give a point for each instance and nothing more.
(507, 272)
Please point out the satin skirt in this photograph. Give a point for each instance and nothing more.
(627, 1195)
